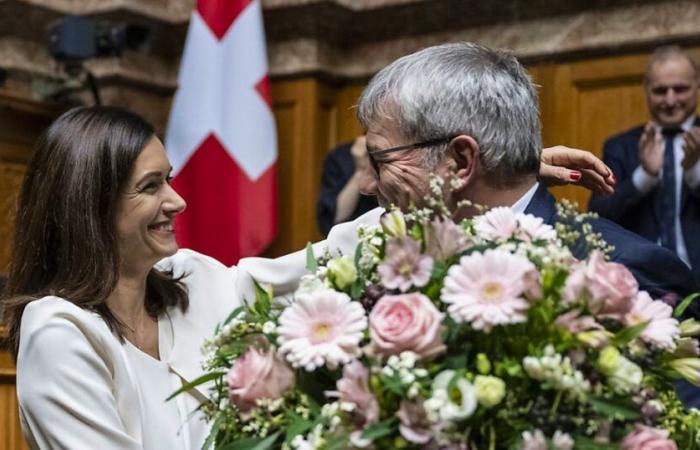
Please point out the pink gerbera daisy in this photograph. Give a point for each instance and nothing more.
(486, 289)
(496, 224)
(321, 327)
(405, 266)
(662, 329)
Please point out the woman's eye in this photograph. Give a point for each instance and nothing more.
(151, 187)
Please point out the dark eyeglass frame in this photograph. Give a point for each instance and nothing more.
(375, 164)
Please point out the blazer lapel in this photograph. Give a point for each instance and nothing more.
(543, 205)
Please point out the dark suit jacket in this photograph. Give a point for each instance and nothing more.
(657, 269)
(338, 168)
(640, 213)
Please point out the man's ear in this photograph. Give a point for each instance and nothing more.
(464, 151)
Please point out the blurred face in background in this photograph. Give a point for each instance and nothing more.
(672, 89)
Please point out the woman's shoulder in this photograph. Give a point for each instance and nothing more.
(186, 261)
(61, 316)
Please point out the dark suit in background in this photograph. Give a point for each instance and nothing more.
(338, 168)
(657, 269)
(639, 212)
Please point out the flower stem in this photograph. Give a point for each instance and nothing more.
(555, 405)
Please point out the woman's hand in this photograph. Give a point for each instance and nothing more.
(562, 165)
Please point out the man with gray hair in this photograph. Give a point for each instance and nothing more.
(469, 112)
(657, 165)
(453, 109)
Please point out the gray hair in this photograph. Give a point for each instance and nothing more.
(461, 88)
(663, 54)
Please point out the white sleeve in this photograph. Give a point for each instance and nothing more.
(65, 392)
(692, 176)
(283, 273)
(643, 181)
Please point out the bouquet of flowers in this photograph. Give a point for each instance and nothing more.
(482, 334)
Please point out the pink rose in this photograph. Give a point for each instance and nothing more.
(609, 288)
(354, 388)
(647, 438)
(408, 322)
(257, 375)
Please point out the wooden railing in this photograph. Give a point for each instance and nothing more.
(10, 433)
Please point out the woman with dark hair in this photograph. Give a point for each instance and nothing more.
(102, 336)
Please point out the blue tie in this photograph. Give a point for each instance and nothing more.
(668, 192)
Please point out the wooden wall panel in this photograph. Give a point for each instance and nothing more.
(307, 125)
(10, 432)
(11, 175)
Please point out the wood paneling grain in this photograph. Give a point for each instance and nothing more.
(11, 175)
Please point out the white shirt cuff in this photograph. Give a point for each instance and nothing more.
(692, 176)
(643, 181)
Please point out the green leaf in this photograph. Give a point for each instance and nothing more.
(299, 426)
(584, 443)
(263, 303)
(338, 442)
(456, 362)
(196, 382)
(612, 408)
(233, 314)
(680, 309)
(358, 254)
(379, 429)
(252, 443)
(628, 334)
(213, 433)
(311, 263)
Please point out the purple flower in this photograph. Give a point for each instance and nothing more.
(405, 266)
(444, 239)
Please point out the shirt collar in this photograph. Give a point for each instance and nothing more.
(521, 204)
(686, 125)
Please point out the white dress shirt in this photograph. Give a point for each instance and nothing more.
(644, 182)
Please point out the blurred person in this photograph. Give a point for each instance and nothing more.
(339, 198)
(656, 164)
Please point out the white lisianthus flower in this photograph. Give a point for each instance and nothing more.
(393, 223)
(489, 390)
(342, 272)
(458, 404)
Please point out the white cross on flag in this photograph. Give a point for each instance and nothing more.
(221, 136)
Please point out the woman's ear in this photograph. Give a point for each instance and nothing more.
(464, 150)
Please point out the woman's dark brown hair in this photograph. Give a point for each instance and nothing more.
(65, 242)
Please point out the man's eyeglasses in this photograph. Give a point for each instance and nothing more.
(424, 144)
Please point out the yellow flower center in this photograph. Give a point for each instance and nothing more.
(322, 331)
(492, 291)
(406, 269)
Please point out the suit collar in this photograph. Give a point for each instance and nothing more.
(542, 205)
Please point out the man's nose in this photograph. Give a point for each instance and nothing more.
(670, 96)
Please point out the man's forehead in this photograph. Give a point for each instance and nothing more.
(671, 71)
(382, 133)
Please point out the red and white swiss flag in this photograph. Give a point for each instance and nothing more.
(221, 136)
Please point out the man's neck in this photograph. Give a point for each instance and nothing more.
(491, 196)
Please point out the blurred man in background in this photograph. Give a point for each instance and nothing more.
(656, 164)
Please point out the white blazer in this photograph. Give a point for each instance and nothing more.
(75, 385)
